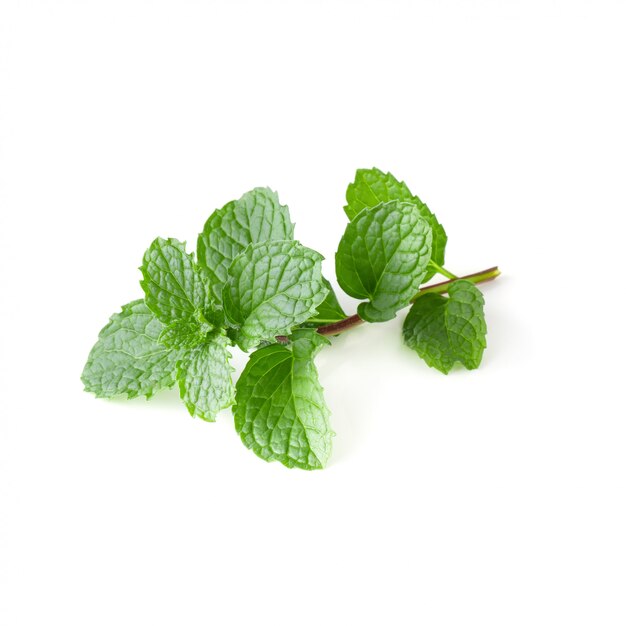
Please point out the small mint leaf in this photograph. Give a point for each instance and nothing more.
(127, 358)
(280, 412)
(172, 282)
(446, 330)
(372, 186)
(272, 287)
(204, 378)
(383, 255)
(256, 217)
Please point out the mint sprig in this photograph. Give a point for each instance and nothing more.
(254, 286)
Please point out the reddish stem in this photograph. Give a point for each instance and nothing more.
(354, 320)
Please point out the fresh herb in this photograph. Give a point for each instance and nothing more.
(280, 412)
(384, 256)
(446, 330)
(272, 288)
(254, 286)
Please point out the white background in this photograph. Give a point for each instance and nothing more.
(493, 497)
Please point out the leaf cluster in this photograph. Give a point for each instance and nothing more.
(252, 285)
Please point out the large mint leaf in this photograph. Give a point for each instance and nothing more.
(280, 413)
(446, 330)
(204, 378)
(272, 287)
(256, 217)
(383, 255)
(172, 282)
(372, 186)
(329, 311)
(127, 358)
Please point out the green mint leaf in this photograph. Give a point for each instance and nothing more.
(172, 282)
(329, 311)
(383, 255)
(127, 358)
(446, 330)
(372, 186)
(272, 287)
(280, 412)
(256, 217)
(204, 378)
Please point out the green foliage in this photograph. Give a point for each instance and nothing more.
(446, 330)
(172, 283)
(280, 413)
(272, 287)
(371, 187)
(255, 218)
(204, 378)
(253, 285)
(383, 256)
(128, 358)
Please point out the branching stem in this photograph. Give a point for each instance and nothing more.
(354, 320)
(442, 270)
